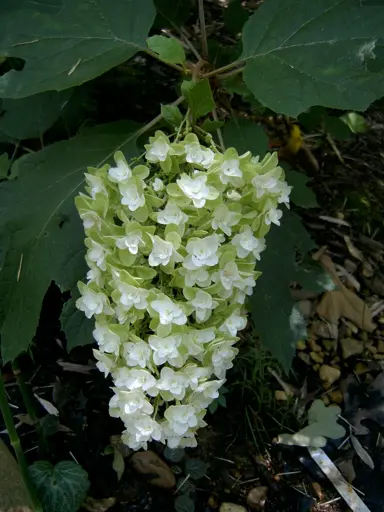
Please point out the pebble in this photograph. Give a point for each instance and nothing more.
(380, 347)
(326, 400)
(314, 346)
(329, 345)
(149, 463)
(305, 307)
(381, 320)
(351, 347)
(301, 345)
(336, 396)
(281, 395)
(231, 507)
(316, 367)
(315, 357)
(372, 349)
(304, 357)
(378, 357)
(329, 375)
(361, 368)
(256, 497)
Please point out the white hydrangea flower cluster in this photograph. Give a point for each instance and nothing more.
(171, 249)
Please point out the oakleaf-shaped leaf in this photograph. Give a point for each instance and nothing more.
(322, 424)
(168, 49)
(279, 324)
(61, 488)
(29, 118)
(70, 43)
(245, 135)
(302, 53)
(46, 236)
(301, 194)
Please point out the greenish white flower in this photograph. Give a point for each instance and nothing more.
(136, 354)
(132, 241)
(196, 188)
(246, 243)
(171, 215)
(158, 185)
(202, 252)
(171, 262)
(131, 195)
(165, 350)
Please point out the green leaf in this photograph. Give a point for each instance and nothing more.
(196, 468)
(322, 423)
(355, 122)
(60, 488)
(29, 118)
(174, 454)
(172, 13)
(47, 237)
(5, 164)
(167, 48)
(184, 503)
(211, 126)
(70, 43)
(245, 135)
(77, 327)
(172, 114)
(235, 16)
(199, 97)
(272, 307)
(301, 194)
(302, 53)
(336, 128)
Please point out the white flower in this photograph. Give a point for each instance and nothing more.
(169, 312)
(201, 277)
(222, 356)
(98, 254)
(131, 196)
(233, 195)
(129, 402)
(157, 185)
(165, 350)
(229, 170)
(158, 150)
(203, 305)
(202, 252)
(171, 215)
(90, 219)
(273, 216)
(132, 296)
(196, 154)
(161, 253)
(181, 418)
(224, 219)
(187, 441)
(108, 341)
(93, 303)
(136, 354)
(205, 393)
(132, 378)
(94, 275)
(246, 243)
(140, 428)
(96, 185)
(105, 362)
(267, 182)
(195, 373)
(172, 384)
(197, 189)
(229, 277)
(234, 323)
(132, 241)
(284, 191)
(119, 173)
(194, 340)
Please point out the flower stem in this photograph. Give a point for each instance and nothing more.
(15, 442)
(204, 42)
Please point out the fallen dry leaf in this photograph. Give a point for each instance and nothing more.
(149, 463)
(102, 505)
(13, 494)
(342, 303)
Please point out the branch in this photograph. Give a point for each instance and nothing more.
(156, 119)
(204, 43)
(218, 71)
(219, 133)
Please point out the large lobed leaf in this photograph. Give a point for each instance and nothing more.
(277, 320)
(326, 52)
(70, 42)
(41, 230)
